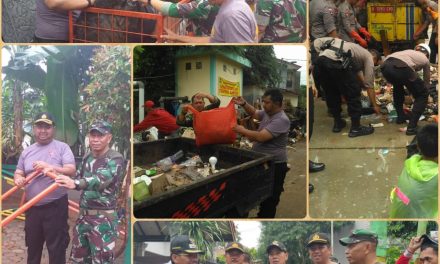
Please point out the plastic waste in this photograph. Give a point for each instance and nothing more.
(167, 163)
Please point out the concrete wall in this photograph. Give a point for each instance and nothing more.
(18, 20)
(229, 75)
(190, 82)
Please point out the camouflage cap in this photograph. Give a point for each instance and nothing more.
(276, 244)
(184, 244)
(44, 117)
(359, 235)
(234, 245)
(318, 238)
(101, 126)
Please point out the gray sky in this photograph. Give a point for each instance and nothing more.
(296, 53)
(249, 232)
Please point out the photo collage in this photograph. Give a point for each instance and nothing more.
(219, 131)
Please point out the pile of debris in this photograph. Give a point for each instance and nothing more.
(384, 98)
(171, 172)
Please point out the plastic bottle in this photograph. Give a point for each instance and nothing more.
(167, 163)
(392, 114)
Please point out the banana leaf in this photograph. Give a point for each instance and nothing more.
(62, 100)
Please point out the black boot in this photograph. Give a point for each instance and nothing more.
(338, 125)
(361, 131)
(316, 166)
(411, 130)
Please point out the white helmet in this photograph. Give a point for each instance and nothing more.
(424, 47)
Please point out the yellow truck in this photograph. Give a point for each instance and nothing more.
(394, 21)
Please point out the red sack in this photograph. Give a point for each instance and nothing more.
(215, 126)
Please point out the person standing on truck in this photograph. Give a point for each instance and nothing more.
(185, 117)
(270, 138)
(184, 251)
(345, 69)
(100, 178)
(349, 26)
(159, 118)
(46, 221)
(430, 14)
(400, 69)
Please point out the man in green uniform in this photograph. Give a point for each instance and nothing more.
(100, 178)
(200, 13)
(281, 20)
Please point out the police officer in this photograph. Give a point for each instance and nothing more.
(345, 68)
(400, 69)
(323, 19)
(281, 20)
(349, 26)
(361, 246)
(277, 253)
(100, 178)
(319, 248)
(46, 221)
(234, 253)
(184, 251)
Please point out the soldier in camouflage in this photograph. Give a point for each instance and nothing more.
(100, 178)
(281, 20)
(200, 13)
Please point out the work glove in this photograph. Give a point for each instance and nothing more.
(432, 12)
(358, 39)
(366, 34)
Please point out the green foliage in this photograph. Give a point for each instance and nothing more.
(393, 253)
(107, 95)
(293, 234)
(265, 68)
(205, 234)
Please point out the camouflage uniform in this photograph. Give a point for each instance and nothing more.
(284, 20)
(200, 12)
(96, 231)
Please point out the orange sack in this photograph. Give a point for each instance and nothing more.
(215, 126)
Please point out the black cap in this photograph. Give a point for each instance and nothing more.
(429, 240)
(234, 245)
(359, 235)
(318, 238)
(184, 244)
(276, 244)
(101, 126)
(44, 117)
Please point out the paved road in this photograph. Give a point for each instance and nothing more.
(360, 172)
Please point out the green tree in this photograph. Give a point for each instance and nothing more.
(42, 78)
(292, 234)
(205, 233)
(107, 95)
(265, 67)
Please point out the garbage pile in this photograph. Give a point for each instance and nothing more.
(384, 98)
(171, 172)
